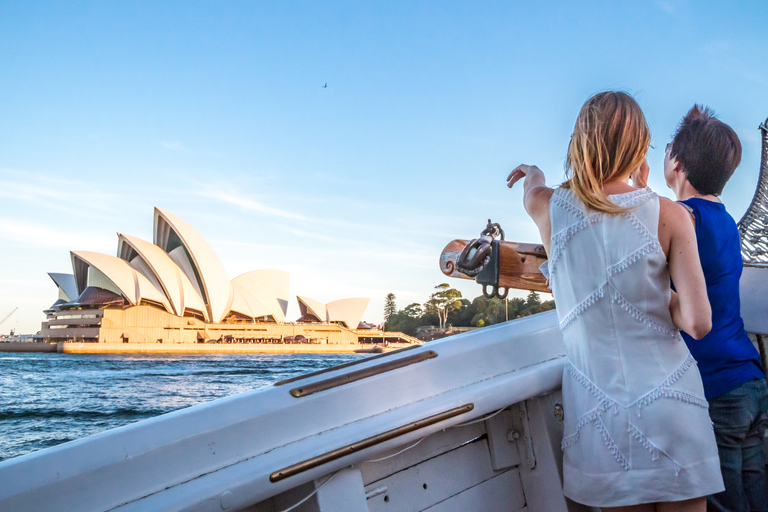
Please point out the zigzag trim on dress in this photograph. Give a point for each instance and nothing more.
(640, 316)
(640, 437)
(583, 305)
(588, 384)
(589, 417)
(611, 444)
(665, 390)
(650, 447)
(557, 241)
(640, 226)
(633, 198)
(649, 248)
(568, 206)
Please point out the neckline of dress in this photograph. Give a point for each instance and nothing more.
(632, 193)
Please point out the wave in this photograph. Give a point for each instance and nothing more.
(191, 373)
(80, 414)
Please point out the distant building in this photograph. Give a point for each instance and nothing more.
(345, 312)
(176, 290)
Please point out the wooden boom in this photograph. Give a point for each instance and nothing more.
(512, 265)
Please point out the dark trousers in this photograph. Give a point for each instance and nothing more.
(740, 418)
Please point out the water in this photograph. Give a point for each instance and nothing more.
(49, 399)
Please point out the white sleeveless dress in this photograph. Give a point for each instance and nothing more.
(637, 427)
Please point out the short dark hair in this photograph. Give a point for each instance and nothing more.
(708, 149)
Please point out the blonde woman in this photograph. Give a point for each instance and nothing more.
(637, 431)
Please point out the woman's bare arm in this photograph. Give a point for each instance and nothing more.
(536, 196)
(689, 307)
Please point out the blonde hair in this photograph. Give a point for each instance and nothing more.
(609, 141)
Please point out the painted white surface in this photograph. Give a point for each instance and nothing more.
(216, 285)
(349, 311)
(753, 291)
(185, 460)
(66, 284)
(266, 291)
(313, 307)
(125, 280)
(174, 283)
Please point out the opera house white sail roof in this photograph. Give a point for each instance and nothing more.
(348, 312)
(180, 273)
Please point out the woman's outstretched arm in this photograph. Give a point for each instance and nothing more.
(536, 196)
(689, 307)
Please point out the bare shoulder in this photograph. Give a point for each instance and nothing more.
(671, 212)
(674, 224)
(538, 197)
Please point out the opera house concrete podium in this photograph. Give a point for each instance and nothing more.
(176, 291)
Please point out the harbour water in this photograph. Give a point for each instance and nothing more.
(49, 399)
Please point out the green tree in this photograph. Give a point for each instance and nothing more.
(407, 320)
(533, 299)
(462, 316)
(413, 310)
(390, 308)
(538, 308)
(442, 301)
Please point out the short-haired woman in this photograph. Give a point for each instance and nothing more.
(698, 163)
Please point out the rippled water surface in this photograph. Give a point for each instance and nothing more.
(49, 399)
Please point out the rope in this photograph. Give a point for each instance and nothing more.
(312, 493)
(478, 420)
(389, 457)
(398, 453)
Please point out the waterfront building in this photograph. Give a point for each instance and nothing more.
(176, 290)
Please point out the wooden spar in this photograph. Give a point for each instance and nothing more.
(518, 265)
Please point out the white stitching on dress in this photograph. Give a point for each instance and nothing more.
(589, 417)
(640, 316)
(649, 248)
(568, 206)
(640, 226)
(652, 448)
(583, 305)
(558, 240)
(611, 444)
(588, 384)
(649, 446)
(632, 198)
(665, 390)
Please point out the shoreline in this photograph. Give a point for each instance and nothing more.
(196, 348)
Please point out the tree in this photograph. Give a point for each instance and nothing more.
(406, 320)
(442, 301)
(533, 299)
(413, 310)
(390, 308)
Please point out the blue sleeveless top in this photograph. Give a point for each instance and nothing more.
(726, 356)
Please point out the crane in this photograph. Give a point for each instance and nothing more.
(8, 315)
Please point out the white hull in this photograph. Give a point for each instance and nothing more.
(220, 455)
(242, 452)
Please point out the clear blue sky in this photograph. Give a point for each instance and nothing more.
(216, 111)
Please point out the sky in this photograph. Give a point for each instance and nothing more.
(218, 112)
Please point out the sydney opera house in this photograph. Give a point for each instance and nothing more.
(176, 290)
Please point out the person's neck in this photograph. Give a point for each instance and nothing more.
(620, 186)
(688, 192)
